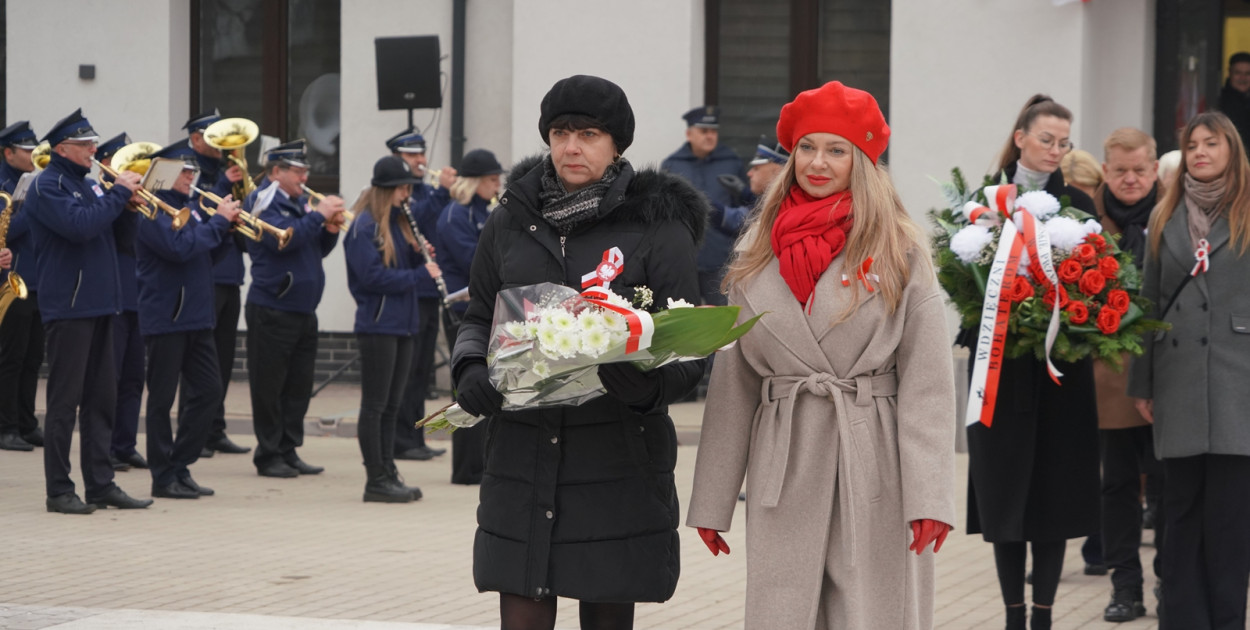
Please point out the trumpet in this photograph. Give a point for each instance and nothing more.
(249, 226)
(41, 155)
(14, 288)
(431, 177)
(230, 136)
(345, 217)
(154, 203)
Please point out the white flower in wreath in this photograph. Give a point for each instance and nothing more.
(1065, 233)
(1041, 204)
(679, 303)
(1092, 227)
(969, 242)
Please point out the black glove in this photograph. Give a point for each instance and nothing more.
(734, 185)
(474, 393)
(716, 218)
(631, 386)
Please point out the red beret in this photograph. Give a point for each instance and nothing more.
(837, 109)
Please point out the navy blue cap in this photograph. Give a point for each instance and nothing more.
(179, 151)
(72, 127)
(765, 154)
(479, 163)
(408, 141)
(707, 116)
(293, 153)
(202, 120)
(18, 135)
(110, 146)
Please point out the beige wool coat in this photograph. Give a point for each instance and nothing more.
(844, 435)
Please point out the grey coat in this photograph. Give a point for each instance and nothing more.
(1196, 372)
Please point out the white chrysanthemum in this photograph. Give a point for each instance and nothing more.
(679, 303)
(617, 300)
(969, 242)
(563, 320)
(1039, 203)
(1092, 227)
(546, 337)
(518, 330)
(541, 369)
(590, 320)
(613, 321)
(596, 342)
(1065, 233)
(567, 344)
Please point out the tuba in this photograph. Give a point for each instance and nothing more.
(14, 288)
(41, 155)
(230, 136)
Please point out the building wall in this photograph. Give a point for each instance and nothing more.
(1119, 70)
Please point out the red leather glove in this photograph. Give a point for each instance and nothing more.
(714, 542)
(925, 531)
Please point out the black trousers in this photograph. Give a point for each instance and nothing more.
(82, 388)
(1207, 557)
(1127, 454)
(191, 358)
(128, 360)
(412, 407)
(21, 354)
(281, 361)
(384, 363)
(468, 446)
(226, 306)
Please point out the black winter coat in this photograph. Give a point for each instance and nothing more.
(580, 501)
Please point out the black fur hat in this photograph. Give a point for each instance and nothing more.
(590, 96)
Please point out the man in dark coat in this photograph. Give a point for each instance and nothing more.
(1235, 95)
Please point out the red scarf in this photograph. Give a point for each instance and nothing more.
(807, 235)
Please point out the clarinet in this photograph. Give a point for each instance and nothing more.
(426, 248)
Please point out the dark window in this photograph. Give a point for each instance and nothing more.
(4, 79)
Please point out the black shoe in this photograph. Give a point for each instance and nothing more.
(68, 504)
(1095, 569)
(206, 452)
(386, 490)
(398, 480)
(174, 490)
(34, 437)
(1016, 617)
(419, 454)
(120, 500)
(1126, 605)
(224, 445)
(277, 469)
(1040, 619)
(14, 442)
(117, 464)
(195, 487)
(135, 460)
(435, 451)
(304, 468)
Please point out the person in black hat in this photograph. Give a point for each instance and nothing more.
(281, 311)
(701, 160)
(384, 272)
(459, 227)
(79, 289)
(175, 315)
(426, 204)
(21, 333)
(580, 502)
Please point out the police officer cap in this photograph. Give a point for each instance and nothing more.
(590, 96)
(18, 135)
(479, 163)
(110, 146)
(293, 153)
(72, 127)
(707, 117)
(407, 141)
(391, 171)
(202, 120)
(180, 151)
(764, 153)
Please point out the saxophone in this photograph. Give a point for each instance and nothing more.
(14, 288)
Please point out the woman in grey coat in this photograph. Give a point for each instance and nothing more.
(1191, 381)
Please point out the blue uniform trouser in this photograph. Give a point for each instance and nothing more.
(281, 363)
(21, 355)
(128, 360)
(191, 357)
(226, 309)
(82, 388)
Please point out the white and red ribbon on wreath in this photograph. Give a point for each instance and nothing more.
(607, 270)
(988, 355)
(1203, 256)
(641, 326)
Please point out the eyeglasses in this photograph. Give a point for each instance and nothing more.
(1049, 143)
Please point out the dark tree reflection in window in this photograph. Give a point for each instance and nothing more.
(231, 61)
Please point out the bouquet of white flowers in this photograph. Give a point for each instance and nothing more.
(547, 341)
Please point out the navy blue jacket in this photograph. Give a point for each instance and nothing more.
(717, 244)
(386, 297)
(71, 219)
(176, 270)
(292, 279)
(18, 238)
(458, 230)
(228, 268)
(124, 229)
(426, 206)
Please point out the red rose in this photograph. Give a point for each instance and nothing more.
(1069, 271)
(1020, 290)
(1110, 267)
(1118, 301)
(1085, 254)
(1079, 313)
(1108, 320)
(1099, 243)
(1092, 282)
(1049, 297)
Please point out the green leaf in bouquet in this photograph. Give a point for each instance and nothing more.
(696, 332)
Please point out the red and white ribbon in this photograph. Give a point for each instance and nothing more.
(1001, 200)
(641, 326)
(607, 269)
(1203, 256)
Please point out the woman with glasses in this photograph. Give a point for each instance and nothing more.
(1034, 473)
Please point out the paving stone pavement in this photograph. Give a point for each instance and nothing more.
(266, 553)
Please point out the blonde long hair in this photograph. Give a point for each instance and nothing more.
(463, 189)
(1237, 195)
(882, 230)
(376, 200)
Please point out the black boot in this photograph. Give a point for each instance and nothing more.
(1126, 605)
(380, 488)
(398, 480)
(1015, 617)
(1040, 619)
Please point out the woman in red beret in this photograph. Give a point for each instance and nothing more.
(839, 403)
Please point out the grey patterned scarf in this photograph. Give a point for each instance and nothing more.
(1205, 201)
(566, 210)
